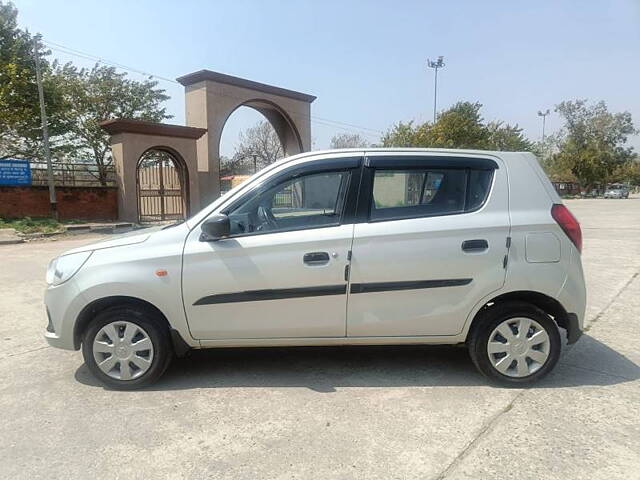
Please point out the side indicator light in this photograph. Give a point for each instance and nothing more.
(161, 272)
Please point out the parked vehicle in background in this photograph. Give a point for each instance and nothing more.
(345, 247)
(591, 193)
(617, 192)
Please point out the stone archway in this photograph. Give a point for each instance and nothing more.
(212, 97)
(131, 139)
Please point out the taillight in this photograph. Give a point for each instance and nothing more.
(568, 224)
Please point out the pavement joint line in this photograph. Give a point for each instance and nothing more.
(599, 372)
(25, 352)
(486, 428)
(611, 302)
(569, 348)
(16, 347)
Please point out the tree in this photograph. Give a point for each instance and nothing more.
(593, 141)
(235, 166)
(20, 127)
(262, 141)
(461, 126)
(98, 94)
(348, 140)
(404, 135)
(628, 173)
(508, 138)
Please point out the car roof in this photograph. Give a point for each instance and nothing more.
(405, 149)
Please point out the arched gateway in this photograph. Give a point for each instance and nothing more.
(210, 98)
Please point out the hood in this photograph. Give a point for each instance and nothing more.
(129, 238)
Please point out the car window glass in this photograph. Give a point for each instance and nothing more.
(307, 201)
(479, 184)
(427, 192)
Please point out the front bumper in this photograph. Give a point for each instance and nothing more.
(63, 306)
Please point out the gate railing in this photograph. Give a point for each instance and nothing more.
(73, 175)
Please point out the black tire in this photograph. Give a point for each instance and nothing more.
(494, 316)
(157, 331)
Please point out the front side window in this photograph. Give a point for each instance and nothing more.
(306, 201)
(413, 193)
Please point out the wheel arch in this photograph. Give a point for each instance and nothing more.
(547, 304)
(89, 312)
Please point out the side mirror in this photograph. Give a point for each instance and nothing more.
(214, 228)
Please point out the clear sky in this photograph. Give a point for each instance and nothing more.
(366, 60)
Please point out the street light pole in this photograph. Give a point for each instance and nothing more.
(435, 65)
(544, 121)
(45, 133)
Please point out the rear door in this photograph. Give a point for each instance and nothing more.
(432, 242)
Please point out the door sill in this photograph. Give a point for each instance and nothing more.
(321, 341)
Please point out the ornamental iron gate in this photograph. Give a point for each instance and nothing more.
(161, 192)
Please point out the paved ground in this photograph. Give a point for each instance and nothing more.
(411, 412)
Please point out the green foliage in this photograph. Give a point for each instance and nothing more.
(76, 100)
(592, 144)
(508, 138)
(98, 94)
(461, 126)
(20, 127)
(401, 135)
(628, 173)
(32, 225)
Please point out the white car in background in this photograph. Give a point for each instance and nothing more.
(616, 193)
(346, 247)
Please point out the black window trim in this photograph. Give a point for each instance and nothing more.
(352, 165)
(357, 207)
(391, 162)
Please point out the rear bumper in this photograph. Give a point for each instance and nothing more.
(574, 332)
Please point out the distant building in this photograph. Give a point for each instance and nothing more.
(231, 181)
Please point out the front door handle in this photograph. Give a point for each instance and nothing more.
(316, 258)
(475, 246)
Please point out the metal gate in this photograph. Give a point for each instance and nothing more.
(161, 193)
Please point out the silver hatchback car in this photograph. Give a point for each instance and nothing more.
(345, 247)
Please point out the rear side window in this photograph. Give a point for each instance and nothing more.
(410, 193)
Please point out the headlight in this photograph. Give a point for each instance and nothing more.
(63, 268)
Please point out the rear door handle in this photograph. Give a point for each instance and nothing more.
(316, 258)
(472, 246)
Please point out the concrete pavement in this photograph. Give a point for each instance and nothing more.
(332, 413)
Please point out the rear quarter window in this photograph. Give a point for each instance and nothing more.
(427, 192)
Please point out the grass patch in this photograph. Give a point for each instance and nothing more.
(32, 225)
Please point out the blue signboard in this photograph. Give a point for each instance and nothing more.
(15, 172)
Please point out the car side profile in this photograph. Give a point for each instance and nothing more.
(343, 247)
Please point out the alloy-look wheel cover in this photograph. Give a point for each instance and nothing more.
(518, 347)
(123, 350)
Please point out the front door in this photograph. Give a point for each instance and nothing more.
(433, 243)
(281, 273)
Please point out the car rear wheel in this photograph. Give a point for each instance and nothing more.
(126, 347)
(515, 343)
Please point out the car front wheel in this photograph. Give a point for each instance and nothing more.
(515, 343)
(126, 347)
